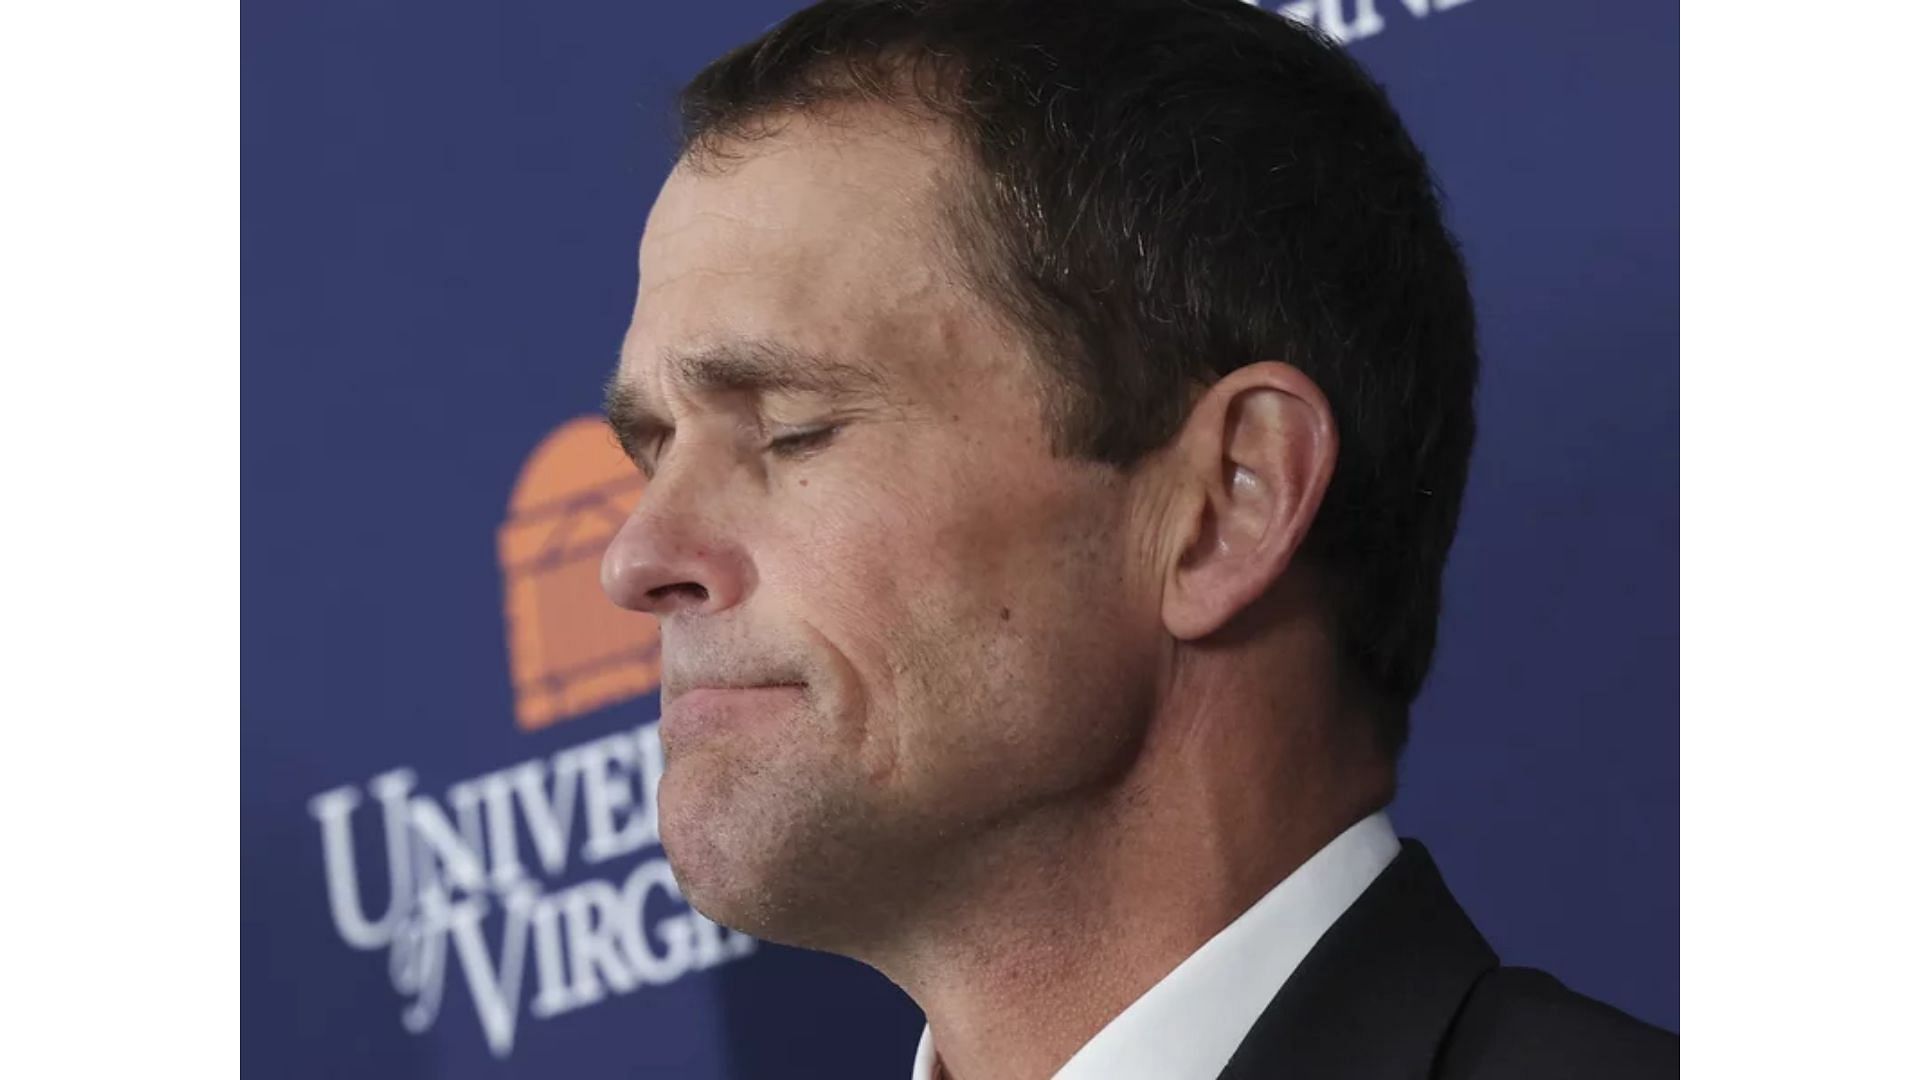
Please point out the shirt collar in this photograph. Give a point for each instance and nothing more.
(1213, 997)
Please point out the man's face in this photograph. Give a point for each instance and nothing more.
(958, 628)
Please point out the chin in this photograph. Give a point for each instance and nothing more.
(687, 834)
(724, 856)
(759, 862)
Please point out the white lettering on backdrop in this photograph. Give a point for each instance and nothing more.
(460, 880)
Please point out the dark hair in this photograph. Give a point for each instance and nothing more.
(1168, 190)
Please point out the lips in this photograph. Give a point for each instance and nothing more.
(676, 696)
(708, 707)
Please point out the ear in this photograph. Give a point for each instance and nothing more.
(1253, 461)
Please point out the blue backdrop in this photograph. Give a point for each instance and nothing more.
(442, 202)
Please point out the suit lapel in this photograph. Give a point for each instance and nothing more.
(1376, 995)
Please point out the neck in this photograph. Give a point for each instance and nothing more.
(1061, 920)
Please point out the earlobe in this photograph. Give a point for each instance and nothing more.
(1258, 453)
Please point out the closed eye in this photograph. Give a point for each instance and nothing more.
(802, 442)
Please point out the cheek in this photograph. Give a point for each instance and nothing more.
(849, 568)
(837, 572)
(880, 559)
(963, 583)
(983, 625)
(892, 583)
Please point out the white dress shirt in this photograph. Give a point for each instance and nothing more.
(1189, 1023)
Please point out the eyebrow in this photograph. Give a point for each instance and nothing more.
(749, 366)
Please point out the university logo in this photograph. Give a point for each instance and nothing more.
(1348, 21)
(488, 879)
(571, 650)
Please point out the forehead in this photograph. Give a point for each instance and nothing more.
(831, 236)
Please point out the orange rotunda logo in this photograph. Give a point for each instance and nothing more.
(570, 649)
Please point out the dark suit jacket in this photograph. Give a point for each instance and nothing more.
(1403, 986)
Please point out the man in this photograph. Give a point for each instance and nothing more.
(1056, 416)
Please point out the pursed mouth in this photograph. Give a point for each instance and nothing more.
(711, 704)
(716, 693)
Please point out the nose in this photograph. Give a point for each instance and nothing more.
(670, 557)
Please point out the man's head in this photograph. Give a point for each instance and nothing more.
(995, 363)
